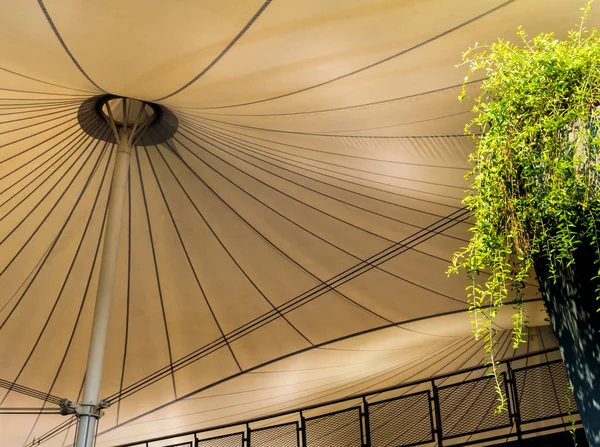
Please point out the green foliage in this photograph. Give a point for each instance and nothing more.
(535, 191)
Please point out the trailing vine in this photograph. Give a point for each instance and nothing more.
(535, 191)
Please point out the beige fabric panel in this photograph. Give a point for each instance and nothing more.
(360, 364)
(315, 139)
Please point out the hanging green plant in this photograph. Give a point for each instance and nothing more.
(535, 191)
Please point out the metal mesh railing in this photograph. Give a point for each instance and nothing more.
(544, 392)
(538, 392)
(401, 421)
(470, 407)
(285, 435)
(235, 440)
(340, 429)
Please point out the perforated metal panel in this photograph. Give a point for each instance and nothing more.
(544, 392)
(402, 421)
(235, 440)
(285, 435)
(466, 408)
(469, 407)
(340, 429)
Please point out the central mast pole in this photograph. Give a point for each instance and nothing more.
(90, 407)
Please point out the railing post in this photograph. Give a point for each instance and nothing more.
(515, 395)
(367, 424)
(247, 435)
(438, 415)
(302, 429)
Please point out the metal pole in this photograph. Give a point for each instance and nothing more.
(515, 395)
(367, 422)
(303, 429)
(89, 412)
(438, 415)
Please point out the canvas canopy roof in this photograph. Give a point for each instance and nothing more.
(286, 244)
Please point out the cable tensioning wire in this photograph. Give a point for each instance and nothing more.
(429, 354)
(419, 251)
(264, 150)
(17, 109)
(60, 294)
(287, 256)
(47, 101)
(44, 93)
(268, 363)
(251, 227)
(34, 135)
(336, 199)
(42, 222)
(337, 109)
(223, 53)
(53, 432)
(89, 280)
(200, 353)
(287, 414)
(28, 410)
(394, 356)
(313, 134)
(68, 151)
(347, 383)
(53, 136)
(44, 257)
(21, 389)
(64, 45)
(76, 144)
(37, 124)
(190, 264)
(293, 222)
(266, 184)
(311, 398)
(374, 64)
(282, 159)
(44, 82)
(381, 257)
(347, 378)
(55, 111)
(406, 123)
(336, 154)
(223, 245)
(156, 273)
(44, 108)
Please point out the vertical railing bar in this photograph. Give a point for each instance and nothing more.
(303, 429)
(298, 428)
(367, 423)
(438, 415)
(515, 393)
(431, 413)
